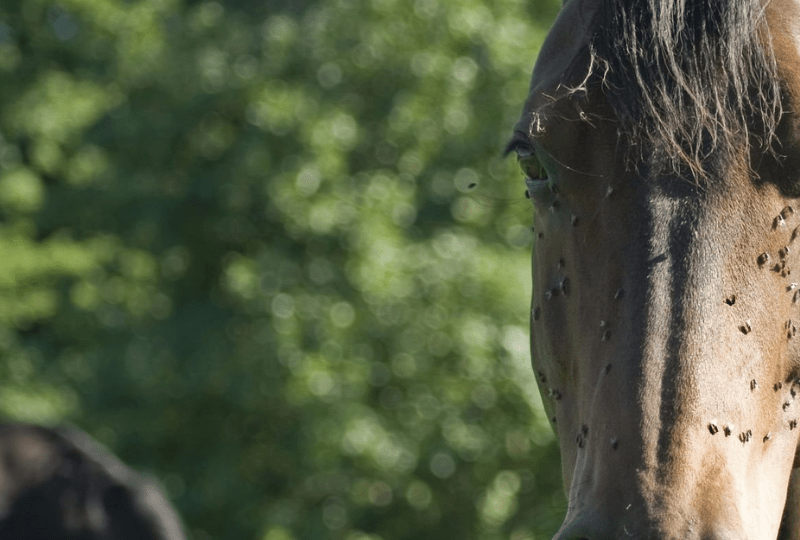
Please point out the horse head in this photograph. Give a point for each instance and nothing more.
(666, 287)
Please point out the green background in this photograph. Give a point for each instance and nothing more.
(270, 251)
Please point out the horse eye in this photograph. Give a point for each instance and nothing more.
(531, 168)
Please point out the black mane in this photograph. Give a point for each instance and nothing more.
(690, 81)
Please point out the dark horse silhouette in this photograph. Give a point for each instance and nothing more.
(660, 144)
(59, 484)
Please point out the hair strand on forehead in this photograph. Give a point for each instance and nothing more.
(691, 82)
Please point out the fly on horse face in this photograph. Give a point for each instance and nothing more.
(660, 145)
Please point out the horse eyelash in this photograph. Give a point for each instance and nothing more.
(520, 146)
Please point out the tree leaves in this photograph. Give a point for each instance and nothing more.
(271, 253)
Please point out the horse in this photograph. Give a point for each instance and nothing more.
(660, 148)
(60, 484)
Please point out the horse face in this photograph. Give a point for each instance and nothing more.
(664, 320)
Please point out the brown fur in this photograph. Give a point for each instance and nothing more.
(647, 359)
(59, 484)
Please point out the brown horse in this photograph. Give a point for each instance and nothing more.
(59, 484)
(661, 150)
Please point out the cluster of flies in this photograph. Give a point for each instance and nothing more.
(563, 289)
(746, 436)
(764, 260)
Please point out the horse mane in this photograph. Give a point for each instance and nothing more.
(691, 82)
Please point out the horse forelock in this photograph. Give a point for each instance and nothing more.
(693, 83)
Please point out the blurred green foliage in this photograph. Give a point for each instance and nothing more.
(271, 252)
